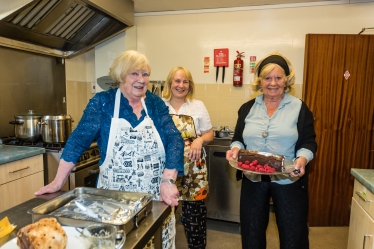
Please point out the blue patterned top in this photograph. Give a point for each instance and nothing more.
(96, 121)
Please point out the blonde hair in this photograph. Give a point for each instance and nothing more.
(266, 69)
(167, 94)
(127, 62)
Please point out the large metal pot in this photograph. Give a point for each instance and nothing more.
(27, 126)
(56, 129)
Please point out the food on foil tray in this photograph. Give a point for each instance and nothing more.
(45, 234)
(260, 161)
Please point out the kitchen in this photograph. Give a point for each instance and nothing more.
(237, 29)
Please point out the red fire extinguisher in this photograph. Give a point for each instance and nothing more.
(238, 69)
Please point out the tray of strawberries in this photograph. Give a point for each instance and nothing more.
(256, 168)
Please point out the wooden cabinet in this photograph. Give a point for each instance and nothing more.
(19, 180)
(361, 227)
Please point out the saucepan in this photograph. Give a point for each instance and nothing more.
(222, 132)
(27, 126)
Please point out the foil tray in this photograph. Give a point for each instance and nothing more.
(84, 206)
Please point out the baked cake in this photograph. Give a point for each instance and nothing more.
(260, 161)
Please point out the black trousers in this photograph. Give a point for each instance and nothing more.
(291, 211)
(193, 218)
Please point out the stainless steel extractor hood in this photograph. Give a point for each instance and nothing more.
(62, 28)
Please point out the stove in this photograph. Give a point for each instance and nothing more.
(85, 172)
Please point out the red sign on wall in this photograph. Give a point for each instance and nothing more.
(221, 57)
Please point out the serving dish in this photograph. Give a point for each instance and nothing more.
(74, 240)
(288, 168)
(85, 206)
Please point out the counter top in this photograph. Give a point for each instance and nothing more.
(365, 177)
(136, 239)
(10, 153)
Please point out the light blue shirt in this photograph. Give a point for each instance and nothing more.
(282, 133)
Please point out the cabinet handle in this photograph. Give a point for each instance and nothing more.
(15, 171)
(362, 196)
(365, 236)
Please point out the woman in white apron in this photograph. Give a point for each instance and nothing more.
(141, 150)
(193, 121)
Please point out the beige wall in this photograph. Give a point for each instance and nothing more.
(185, 38)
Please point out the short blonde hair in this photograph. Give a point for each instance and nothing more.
(266, 69)
(127, 62)
(167, 94)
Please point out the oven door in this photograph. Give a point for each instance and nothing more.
(85, 177)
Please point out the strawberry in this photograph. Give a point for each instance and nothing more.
(247, 162)
(240, 164)
(245, 166)
(255, 162)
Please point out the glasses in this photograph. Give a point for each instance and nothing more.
(180, 81)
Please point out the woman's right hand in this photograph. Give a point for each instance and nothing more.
(63, 172)
(50, 188)
(232, 154)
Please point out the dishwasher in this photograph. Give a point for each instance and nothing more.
(224, 190)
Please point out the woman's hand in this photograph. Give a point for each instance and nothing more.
(195, 149)
(232, 154)
(169, 194)
(63, 172)
(299, 164)
(168, 191)
(50, 188)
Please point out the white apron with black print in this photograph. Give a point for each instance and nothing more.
(135, 160)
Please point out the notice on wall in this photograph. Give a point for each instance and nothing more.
(206, 64)
(252, 63)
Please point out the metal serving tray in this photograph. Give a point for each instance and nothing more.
(50, 208)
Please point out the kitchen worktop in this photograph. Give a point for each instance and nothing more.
(365, 177)
(10, 153)
(137, 238)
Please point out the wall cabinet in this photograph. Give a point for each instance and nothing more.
(361, 227)
(19, 180)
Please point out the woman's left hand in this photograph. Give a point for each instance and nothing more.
(168, 191)
(299, 164)
(169, 194)
(195, 149)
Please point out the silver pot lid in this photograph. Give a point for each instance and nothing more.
(28, 115)
(56, 117)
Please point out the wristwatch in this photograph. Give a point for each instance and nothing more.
(171, 181)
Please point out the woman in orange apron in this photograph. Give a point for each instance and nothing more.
(192, 120)
(141, 150)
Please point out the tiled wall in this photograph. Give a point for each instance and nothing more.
(78, 94)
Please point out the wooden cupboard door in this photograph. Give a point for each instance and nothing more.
(339, 89)
(21, 190)
(361, 229)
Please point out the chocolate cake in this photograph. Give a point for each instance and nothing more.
(262, 158)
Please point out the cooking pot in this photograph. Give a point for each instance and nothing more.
(55, 129)
(27, 127)
(223, 132)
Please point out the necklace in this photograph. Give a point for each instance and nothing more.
(265, 134)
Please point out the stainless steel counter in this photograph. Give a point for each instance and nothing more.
(136, 239)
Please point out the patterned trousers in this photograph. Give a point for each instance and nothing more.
(193, 218)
